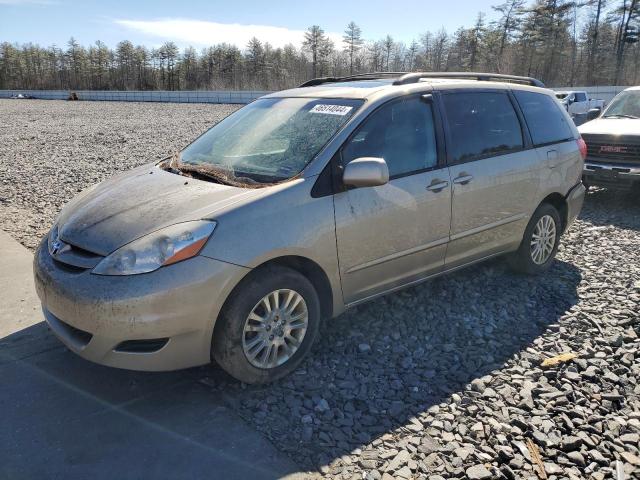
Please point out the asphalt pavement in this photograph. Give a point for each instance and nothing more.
(64, 417)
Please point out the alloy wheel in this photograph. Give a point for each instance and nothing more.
(543, 240)
(275, 328)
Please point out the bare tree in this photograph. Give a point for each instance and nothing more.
(627, 13)
(595, 30)
(412, 53)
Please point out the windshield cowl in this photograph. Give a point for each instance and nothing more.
(213, 173)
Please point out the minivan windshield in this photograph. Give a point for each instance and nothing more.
(625, 105)
(269, 140)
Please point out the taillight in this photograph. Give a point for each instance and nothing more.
(582, 145)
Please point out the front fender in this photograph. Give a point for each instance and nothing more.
(289, 222)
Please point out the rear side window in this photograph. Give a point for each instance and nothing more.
(482, 124)
(546, 121)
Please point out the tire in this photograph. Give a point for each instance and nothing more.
(230, 340)
(523, 260)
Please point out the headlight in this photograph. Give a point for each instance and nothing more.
(164, 247)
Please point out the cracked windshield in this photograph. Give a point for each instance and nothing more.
(271, 139)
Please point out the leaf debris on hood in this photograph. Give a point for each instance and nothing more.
(216, 173)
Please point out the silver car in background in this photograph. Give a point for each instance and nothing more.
(302, 204)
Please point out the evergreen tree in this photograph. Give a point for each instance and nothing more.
(353, 43)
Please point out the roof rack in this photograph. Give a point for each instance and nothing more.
(360, 76)
(484, 77)
(404, 78)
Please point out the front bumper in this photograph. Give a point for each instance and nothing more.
(611, 174)
(173, 308)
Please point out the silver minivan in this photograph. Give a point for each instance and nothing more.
(302, 204)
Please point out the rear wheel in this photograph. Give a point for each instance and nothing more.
(540, 242)
(268, 325)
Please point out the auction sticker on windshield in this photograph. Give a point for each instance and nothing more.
(331, 109)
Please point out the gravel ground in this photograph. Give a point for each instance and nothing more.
(51, 150)
(444, 380)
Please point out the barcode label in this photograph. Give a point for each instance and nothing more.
(331, 109)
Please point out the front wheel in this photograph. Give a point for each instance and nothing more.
(267, 326)
(540, 242)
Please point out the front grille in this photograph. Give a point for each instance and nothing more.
(141, 346)
(76, 259)
(67, 267)
(620, 149)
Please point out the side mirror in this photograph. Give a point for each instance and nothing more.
(593, 114)
(366, 172)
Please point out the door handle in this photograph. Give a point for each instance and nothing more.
(437, 186)
(463, 179)
(552, 156)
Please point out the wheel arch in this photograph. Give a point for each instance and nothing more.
(559, 202)
(316, 275)
(310, 269)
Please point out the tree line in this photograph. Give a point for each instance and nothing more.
(587, 42)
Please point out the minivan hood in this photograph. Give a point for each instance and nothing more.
(129, 206)
(611, 126)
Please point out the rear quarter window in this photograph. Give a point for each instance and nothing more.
(546, 121)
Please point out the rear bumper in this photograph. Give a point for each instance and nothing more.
(575, 200)
(611, 174)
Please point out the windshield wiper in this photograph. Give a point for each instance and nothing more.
(620, 115)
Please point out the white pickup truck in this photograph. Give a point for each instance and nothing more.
(577, 102)
(613, 144)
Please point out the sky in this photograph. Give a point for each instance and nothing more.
(201, 23)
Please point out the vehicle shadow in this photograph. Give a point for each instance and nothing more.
(380, 368)
(374, 374)
(618, 208)
(64, 417)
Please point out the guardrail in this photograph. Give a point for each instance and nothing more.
(605, 93)
(182, 96)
